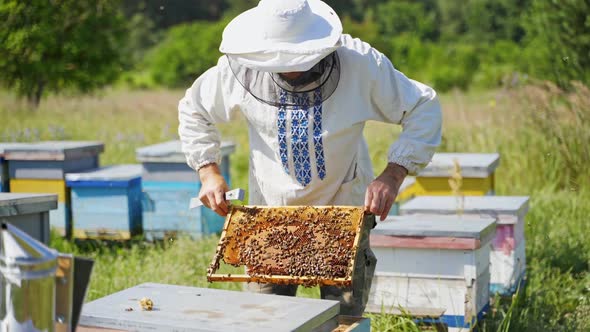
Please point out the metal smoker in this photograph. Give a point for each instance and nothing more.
(40, 289)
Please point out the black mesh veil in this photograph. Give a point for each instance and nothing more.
(270, 88)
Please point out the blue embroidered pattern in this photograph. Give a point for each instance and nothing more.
(282, 126)
(300, 139)
(300, 135)
(317, 134)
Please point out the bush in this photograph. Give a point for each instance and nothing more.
(186, 52)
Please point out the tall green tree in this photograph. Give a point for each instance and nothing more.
(54, 45)
(558, 33)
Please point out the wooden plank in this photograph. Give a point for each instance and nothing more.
(452, 226)
(124, 172)
(473, 165)
(508, 209)
(416, 312)
(54, 150)
(181, 308)
(12, 204)
(455, 243)
(278, 279)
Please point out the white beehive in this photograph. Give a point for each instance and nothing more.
(507, 259)
(429, 263)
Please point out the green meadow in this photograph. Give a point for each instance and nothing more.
(541, 132)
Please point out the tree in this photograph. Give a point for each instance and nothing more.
(558, 34)
(53, 45)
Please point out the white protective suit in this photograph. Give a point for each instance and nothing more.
(334, 168)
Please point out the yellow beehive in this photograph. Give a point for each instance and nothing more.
(475, 171)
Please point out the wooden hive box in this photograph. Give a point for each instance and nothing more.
(428, 264)
(477, 172)
(507, 258)
(169, 184)
(41, 168)
(28, 212)
(106, 203)
(190, 309)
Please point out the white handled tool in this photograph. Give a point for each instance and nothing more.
(232, 195)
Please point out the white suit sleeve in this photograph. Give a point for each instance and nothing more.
(198, 111)
(412, 104)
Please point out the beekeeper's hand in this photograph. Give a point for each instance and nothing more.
(213, 189)
(382, 192)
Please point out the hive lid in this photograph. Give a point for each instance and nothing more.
(12, 204)
(54, 150)
(110, 174)
(171, 152)
(476, 165)
(8, 145)
(496, 206)
(22, 257)
(437, 226)
(180, 308)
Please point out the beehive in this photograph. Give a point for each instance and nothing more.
(508, 260)
(180, 308)
(290, 245)
(431, 264)
(41, 168)
(169, 184)
(476, 170)
(28, 212)
(106, 203)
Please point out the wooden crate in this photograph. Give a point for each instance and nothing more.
(508, 262)
(169, 184)
(477, 171)
(428, 264)
(324, 238)
(106, 203)
(190, 309)
(28, 212)
(60, 218)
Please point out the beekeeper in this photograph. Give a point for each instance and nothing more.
(306, 91)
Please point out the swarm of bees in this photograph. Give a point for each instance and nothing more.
(314, 243)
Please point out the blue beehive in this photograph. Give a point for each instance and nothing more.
(41, 168)
(106, 203)
(168, 185)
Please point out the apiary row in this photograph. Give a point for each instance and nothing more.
(113, 202)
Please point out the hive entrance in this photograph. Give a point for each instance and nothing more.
(290, 245)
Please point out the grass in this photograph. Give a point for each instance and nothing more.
(542, 133)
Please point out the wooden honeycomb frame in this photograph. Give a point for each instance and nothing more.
(234, 236)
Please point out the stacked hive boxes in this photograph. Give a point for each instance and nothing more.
(28, 212)
(508, 261)
(106, 202)
(405, 193)
(41, 168)
(475, 169)
(432, 264)
(168, 185)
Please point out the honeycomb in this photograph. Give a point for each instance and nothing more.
(290, 245)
